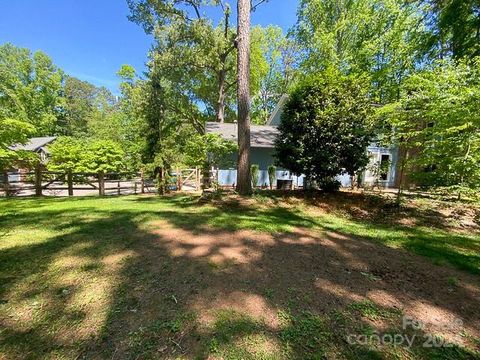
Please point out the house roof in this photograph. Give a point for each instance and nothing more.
(261, 136)
(34, 144)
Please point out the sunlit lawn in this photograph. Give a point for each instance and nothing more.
(123, 278)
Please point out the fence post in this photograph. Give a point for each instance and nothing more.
(142, 182)
(197, 179)
(180, 174)
(70, 183)
(206, 178)
(6, 185)
(38, 179)
(179, 179)
(101, 183)
(118, 187)
(135, 187)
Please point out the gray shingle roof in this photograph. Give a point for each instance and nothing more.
(261, 136)
(34, 144)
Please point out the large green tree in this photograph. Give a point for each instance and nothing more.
(132, 120)
(325, 128)
(274, 58)
(69, 154)
(437, 125)
(382, 38)
(31, 89)
(197, 56)
(454, 27)
(79, 105)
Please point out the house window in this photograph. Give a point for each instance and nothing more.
(384, 166)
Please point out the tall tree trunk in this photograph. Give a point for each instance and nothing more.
(220, 115)
(244, 182)
(222, 74)
(403, 165)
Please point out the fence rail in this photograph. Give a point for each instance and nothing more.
(41, 182)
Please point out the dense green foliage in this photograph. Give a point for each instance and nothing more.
(454, 28)
(13, 132)
(66, 154)
(325, 128)
(437, 122)
(80, 105)
(37, 99)
(380, 38)
(193, 59)
(275, 61)
(255, 171)
(86, 156)
(209, 150)
(420, 59)
(30, 89)
(387, 39)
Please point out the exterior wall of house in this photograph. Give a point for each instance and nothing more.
(263, 157)
(14, 176)
(375, 154)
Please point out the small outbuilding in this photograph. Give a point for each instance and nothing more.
(38, 145)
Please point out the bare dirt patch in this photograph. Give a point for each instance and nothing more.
(261, 278)
(259, 275)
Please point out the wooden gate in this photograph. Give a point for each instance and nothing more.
(188, 179)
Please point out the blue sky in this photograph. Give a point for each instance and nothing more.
(91, 39)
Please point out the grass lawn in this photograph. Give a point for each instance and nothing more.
(264, 278)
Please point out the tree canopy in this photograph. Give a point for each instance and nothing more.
(381, 38)
(437, 122)
(30, 89)
(454, 28)
(86, 156)
(414, 60)
(38, 99)
(326, 127)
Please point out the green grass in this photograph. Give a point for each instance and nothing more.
(86, 277)
(441, 246)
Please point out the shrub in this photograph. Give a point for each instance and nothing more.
(325, 127)
(329, 185)
(255, 170)
(272, 174)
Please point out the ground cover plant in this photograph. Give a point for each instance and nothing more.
(270, 277)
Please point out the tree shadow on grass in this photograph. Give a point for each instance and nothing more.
(381, 208)
(461, 251)
(196, 282)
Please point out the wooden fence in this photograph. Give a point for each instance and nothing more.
(41, 182)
